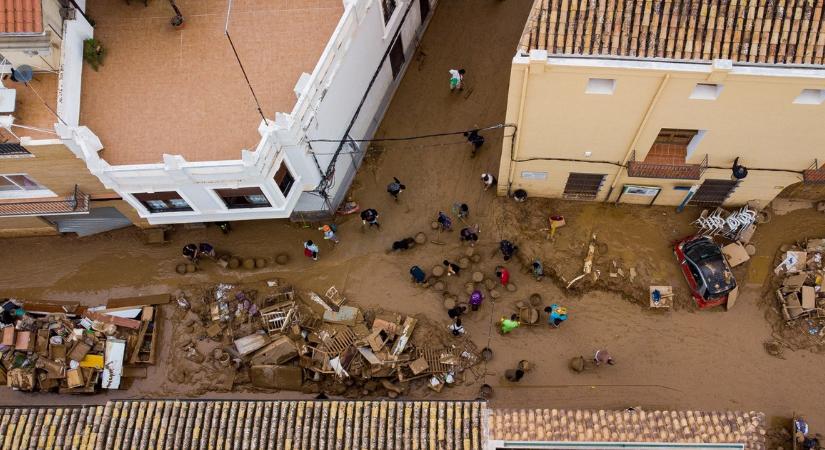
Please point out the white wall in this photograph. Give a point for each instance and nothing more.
(324, 109)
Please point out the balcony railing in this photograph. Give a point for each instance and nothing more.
(75, 203)
(814, 174)
(643, 169)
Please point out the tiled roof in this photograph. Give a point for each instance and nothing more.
(246, 424)
(20, 16)
(754, 31)
(628, 426)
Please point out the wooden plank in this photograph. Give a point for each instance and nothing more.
(119, 321)
(142, 300)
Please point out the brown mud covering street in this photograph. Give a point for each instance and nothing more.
(257, 331)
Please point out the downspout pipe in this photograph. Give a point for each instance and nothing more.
(638, 134)
(517, 138)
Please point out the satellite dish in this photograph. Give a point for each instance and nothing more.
(22, 74)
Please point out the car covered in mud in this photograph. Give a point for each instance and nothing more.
(707, 271)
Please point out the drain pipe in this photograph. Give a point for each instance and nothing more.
(638, 134)
(517, 138)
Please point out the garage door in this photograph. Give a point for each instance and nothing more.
(97, 221)
(713, 192)
(583, 186)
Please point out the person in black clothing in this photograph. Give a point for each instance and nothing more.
(445, 221)
(190, 252)
(507, 249)
(456, 311)
(452, 268)
(514, 376)
(395, 188)
(370, 216)
(206, 249)
(475, 139)
(469, 234)
(403, 244)
(463, 211)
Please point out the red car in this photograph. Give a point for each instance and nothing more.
(707, 271)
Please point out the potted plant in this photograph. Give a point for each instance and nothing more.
(93, 53)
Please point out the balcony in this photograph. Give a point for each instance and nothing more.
(659, 166)
(814, 174)
(75, 203)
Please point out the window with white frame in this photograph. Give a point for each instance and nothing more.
(706, 91)
(810, 97)
(162, 202)
(602, 86)
(19, 182)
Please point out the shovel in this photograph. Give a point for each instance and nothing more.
(436, 241)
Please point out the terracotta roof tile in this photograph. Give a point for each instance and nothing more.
(559, 425)
(752, 31)
(21, 16)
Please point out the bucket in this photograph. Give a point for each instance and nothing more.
(487, 354)
(485, 392)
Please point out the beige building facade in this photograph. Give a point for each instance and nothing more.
(614, 112)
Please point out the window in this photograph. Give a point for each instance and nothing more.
(705, 91)
(284, 179)
(162, 202)
(397, 57)
(250, 197)
(675, 136)
(583, 186)
(603, 86)
(389, 8)
(13, 151)
(19, 182)
(810, 97)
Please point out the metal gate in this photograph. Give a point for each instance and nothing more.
(583, 186)
(96, 221)
(713, 192)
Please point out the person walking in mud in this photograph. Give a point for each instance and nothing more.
(457, 79)
(475, 139)
(395, 188)
(538, 269)
(370, 217)
(444, 221)
(452, 268)
(468, 234)
(488, 180)
(329, 233)
(418, 275)
(403, 244)
(602, 356)
(558, 314)
(476, 298)
(311, 250)
(503, 275)
(508, 249)
(508, 325)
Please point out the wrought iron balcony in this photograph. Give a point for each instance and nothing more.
(814, 174)
(75, 203)
(642, 169)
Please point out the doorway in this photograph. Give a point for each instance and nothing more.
(397, 57)
(424, 6)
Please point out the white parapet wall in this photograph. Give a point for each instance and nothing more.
(327, 103)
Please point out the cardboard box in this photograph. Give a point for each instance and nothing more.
(735, 253)
(9, 335)
(24, 341)
(808, 297)
(74, 378)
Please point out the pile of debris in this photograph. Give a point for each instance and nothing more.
(77, 350)
(799, 293)
(273, 337)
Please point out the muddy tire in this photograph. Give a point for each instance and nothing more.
(234, 263)
(438, 271)
(535, 300)
(470, 252)
(489, 284)
(190, 268)
(478, 277)
(248, 263)
(439, 286)
(469, 288)
(511, 287)
(449, 302)
(434, 225)
(260, 263)
(282, 259)
(495, 293)
(464, 263)
(420, 238)
(475, 258)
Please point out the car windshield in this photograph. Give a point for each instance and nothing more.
(716, 275)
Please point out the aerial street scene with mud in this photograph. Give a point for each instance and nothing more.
(412, 224)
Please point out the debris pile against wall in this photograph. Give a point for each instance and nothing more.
(800, 300)
(271, 336)
(77, 350)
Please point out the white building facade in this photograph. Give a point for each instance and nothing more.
(285, 175)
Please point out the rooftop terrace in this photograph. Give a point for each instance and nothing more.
(163, 90)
